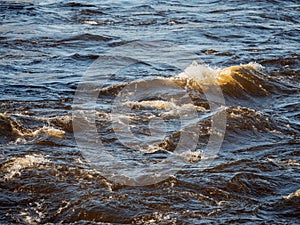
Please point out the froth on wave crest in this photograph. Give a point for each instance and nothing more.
(238, 81)
(12, 129)
(296, 194)
(243, 81)
(14, 166)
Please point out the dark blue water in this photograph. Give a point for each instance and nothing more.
(248, 50)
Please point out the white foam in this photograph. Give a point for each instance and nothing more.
(171, 107)
(296, 194)
(201, 73)
(50, 131)
(159, 218)
(254, 65)
(288, 162)
(22, 132)
(61, 208)
(34, 214)
(15, 166)
(157, 104)
(90, 22)
(191, 156)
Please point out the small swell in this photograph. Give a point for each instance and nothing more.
(86, 37)
(240, 118)
(77, 56)
(76, 4)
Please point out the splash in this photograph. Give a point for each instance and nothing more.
(200, 73)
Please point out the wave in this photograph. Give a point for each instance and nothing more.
(14, 166)
(87, 37)
(246, 81)
(13, 130)
(243, 82)
(168, 98)
(288, 206)
(293, 195)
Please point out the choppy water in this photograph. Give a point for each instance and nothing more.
(250, 49)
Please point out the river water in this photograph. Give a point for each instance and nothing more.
(97, 96)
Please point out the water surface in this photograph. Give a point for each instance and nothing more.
(46, 48)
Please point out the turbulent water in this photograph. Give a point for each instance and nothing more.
(248, 50)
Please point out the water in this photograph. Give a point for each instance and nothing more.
(249, 49)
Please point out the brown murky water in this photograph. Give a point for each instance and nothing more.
(250, 49)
